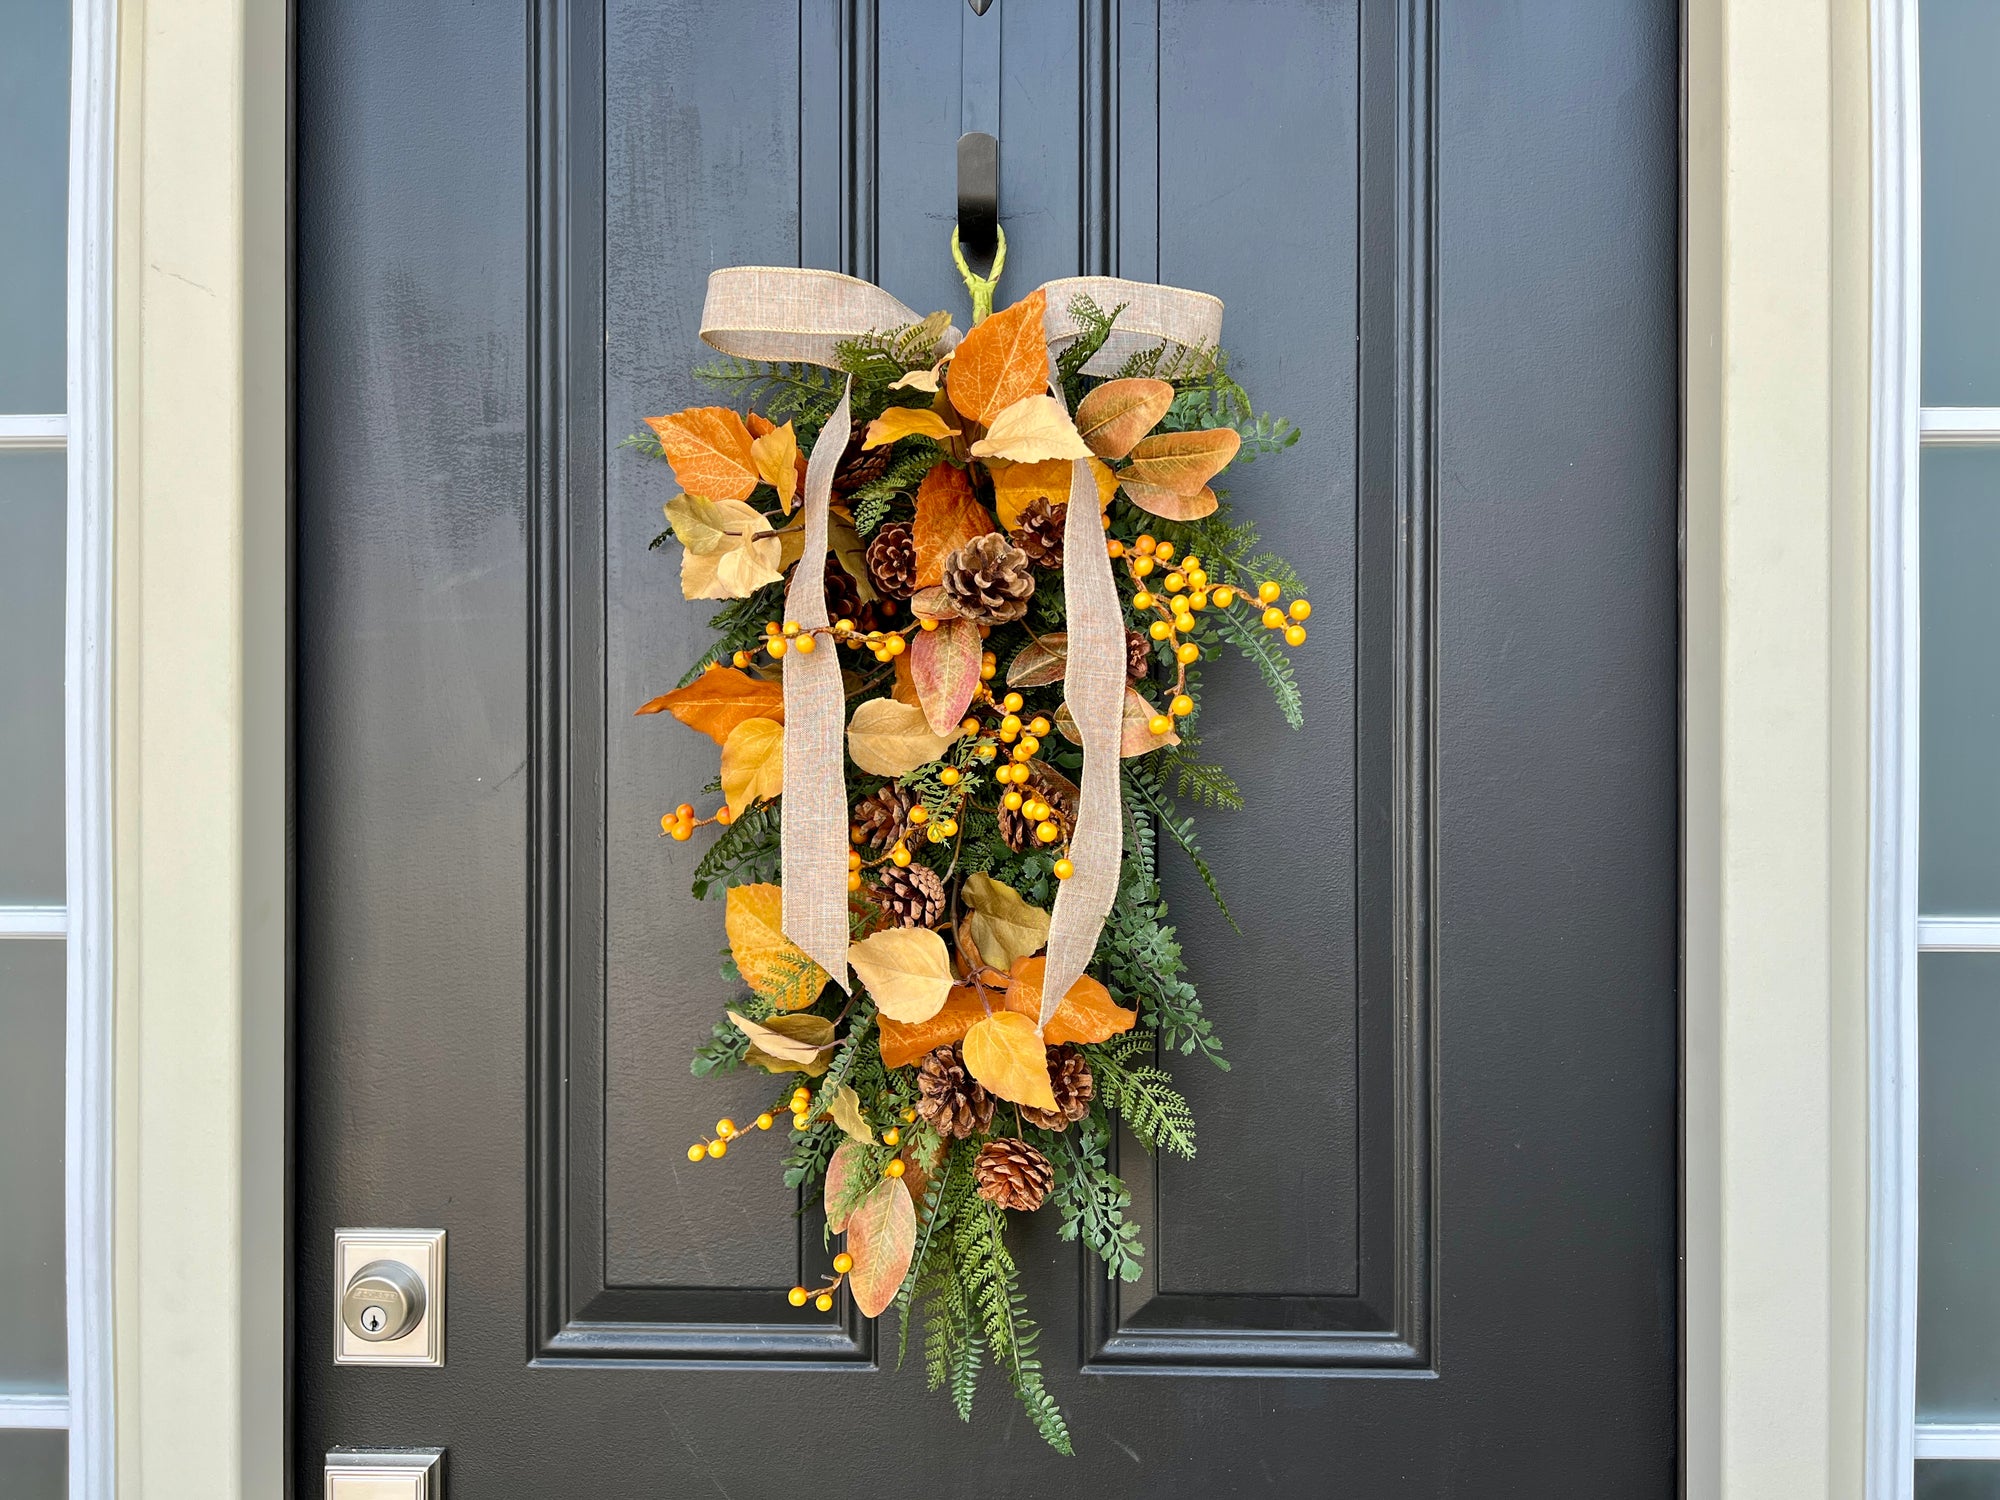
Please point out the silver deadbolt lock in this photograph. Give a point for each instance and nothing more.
(383, 1300)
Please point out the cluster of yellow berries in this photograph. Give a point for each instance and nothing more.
(726, 1130)
(1292, 622)
(681, 823)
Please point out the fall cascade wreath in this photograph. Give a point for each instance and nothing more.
(942, 1093)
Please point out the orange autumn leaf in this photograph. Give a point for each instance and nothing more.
(1118, 413)
(899, 422)
(759, 424)
(944, 669)
(906, 1042)
(1181, 461)
(1003, 359)
(882, 1238)
(1006, 1055)
(948, 516)
(720, 699)
(709, 448)
(1086, 1014)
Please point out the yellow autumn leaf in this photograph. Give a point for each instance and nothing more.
(845, 1107)
(777, 457)
(899, 422)
(1015, 486)
(753, 763)
(1005, 1053)
(918, 380)
(799, 1040)
(730, 554)
(1005, 924)
(888, 738)
(770, 963)
(1032, 430)
(1003, 359)
(907, 971)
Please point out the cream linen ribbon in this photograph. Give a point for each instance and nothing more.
(784, 313)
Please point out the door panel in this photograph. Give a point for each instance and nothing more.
(1443, 1165)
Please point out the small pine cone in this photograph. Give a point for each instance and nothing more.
(949, 1099)
(989, 580)
(1069, 1078)
(1018, 829)
(1012, 1174)
(843, 601)
(881, 818)
(913, 894)
(859, 465)
(1138, 654)
(892, 560)
(1040, 533)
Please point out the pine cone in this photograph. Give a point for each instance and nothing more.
(1018, 829)
(1040, 533)
(989, 580)
(892, 561)
(882, 817)
(1069, 1077)
(843, 601)
(1138, 654)
(859, 465)
(913, 893)
(950, 1099)
(1012, 1174)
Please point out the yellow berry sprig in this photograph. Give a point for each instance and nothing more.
(680, 824)
(726, 1130)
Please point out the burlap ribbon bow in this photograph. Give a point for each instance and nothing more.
(784, 313)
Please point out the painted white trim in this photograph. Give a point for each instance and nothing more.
(33, 922)
(88, 1126)
(33, 434)
(1958, 934)
(1960, 426)
(1892, 792)
(1973, 1440)
(43, 1412)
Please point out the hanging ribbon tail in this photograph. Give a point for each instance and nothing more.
(813, 812)
(1094, 688)
(1094, 680)
(788, 313)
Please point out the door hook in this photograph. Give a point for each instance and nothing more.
(979, 198)
(979, 6)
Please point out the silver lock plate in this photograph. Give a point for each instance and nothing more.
(393, 1474)
(395, 1276)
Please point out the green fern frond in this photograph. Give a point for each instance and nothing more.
(1142, 785)
(1272, 664)
(1208, 784)
(1143, 1096)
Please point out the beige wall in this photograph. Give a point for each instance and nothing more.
(1776, 649)
(1776, 770)
(199, 754)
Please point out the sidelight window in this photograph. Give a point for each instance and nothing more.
(55, 1433)
(1935, 1340)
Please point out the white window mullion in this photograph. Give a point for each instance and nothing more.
(33, 922)
(24, 1411)
(33, 434)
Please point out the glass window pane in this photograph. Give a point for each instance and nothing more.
(34, 175)
(1959, 41)
(32, 1321)
(1959, 836)
(1958, 1480)
(32, 507)
(34, 1465)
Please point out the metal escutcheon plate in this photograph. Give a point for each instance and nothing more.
(385, 1474)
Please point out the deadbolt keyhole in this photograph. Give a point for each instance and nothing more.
(384, 1300)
